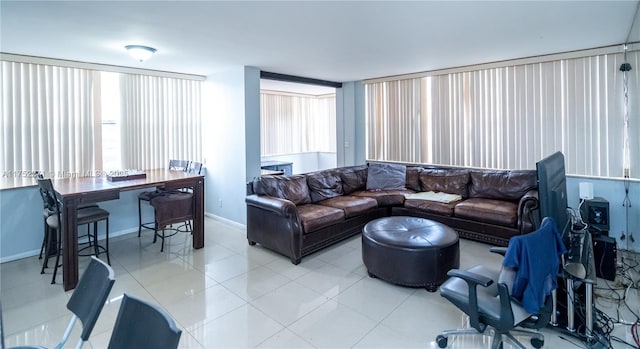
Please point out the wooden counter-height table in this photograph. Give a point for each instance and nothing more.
(85, 190)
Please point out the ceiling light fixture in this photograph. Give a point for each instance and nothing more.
(139, 52)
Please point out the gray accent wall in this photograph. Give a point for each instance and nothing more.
(22, 224)
(350, 120)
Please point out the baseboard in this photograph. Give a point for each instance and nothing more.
(36, 252)
(18, 256)
(225, 220)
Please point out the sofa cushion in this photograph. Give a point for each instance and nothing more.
(452, 181)
(384, 176)
(501, 185)
(445, 209)
(324, 185)
(488, 210)
(434, 196)
(314, 217)
(292, 188)
(352, 205)
(353, 178)
(413, 178)
(385, 197)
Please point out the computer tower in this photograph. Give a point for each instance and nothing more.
(562, 309)
(595, 212)
(605, 255)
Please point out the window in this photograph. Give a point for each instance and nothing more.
(47, 120)
(66, 121)
(509, 117)
(110, 120)
(297, 123)
(160, 120)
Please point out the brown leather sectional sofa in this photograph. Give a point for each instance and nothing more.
(300, 214)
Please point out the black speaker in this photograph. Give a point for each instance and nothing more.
(605, 254)
(595, 213)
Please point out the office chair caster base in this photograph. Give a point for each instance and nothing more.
(442, 341)
(537, 343)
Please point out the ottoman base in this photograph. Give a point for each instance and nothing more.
(410, 251)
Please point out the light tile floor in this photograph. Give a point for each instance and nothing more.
(231, 295)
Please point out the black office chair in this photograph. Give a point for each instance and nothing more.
(85, 216)
(87, 301)
(174, 165)
(142, 325)
(518, 295)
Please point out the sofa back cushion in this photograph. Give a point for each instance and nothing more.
(353, 178)
(386, 176)
(451, 181)
(413, 178)
(293, 188)
(501, 185)
(324, 185)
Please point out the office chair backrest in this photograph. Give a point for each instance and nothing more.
(535, 258)
(48, 194)
(194, 167)
(178, 165)
(90, 294)
(143, 325)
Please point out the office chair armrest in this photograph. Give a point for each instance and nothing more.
(471, 308)
(471, 278)
(499, 250)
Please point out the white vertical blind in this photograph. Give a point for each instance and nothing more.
(394, 122)
(510, 117)
(296, 123)
(160, 120)
(47, 120)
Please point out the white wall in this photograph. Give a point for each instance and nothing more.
(231, 122)
(306, 162)
(327, 160)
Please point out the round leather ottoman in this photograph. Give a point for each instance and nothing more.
(410, 251)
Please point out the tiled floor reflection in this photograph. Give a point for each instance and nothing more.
(232, 295)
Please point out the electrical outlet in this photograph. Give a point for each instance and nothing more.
(220, 203)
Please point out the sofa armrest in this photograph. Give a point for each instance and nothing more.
(282, 207)
(528, 211)
(275, 224)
